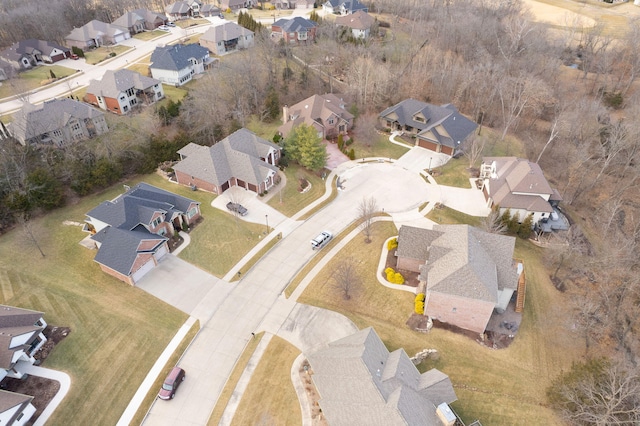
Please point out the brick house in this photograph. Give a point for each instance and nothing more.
(241, 159)
(467, 273)
(141, 20)
(57, 122)
(437, 128)
(123, 90)
(177, 64)
(296, 30)
(95, 34)
(131, 231)
(226, 38)
(326, 113)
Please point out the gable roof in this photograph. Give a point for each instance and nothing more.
(95, 29)
(179, 7)
(115, 82)
(359, 20)
(11, 400)
(225, 32)
(176, 57)
(294, 25)
(209, 8)
(461, 260)
(32, 120)
(518, 183)
(120, 248)
(130, 18)
(360, 382)
(17, 50)
(238, 155)
(13, 322)
(315, 110)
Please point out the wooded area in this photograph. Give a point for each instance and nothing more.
(570, 96)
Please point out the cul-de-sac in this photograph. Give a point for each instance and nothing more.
(337, 212)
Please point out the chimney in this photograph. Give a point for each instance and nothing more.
(285, 114)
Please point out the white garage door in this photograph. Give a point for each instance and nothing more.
(118, 38)
(161, 252)
(145, 268)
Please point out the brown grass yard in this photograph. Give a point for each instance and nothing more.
(292, 200)
(103, 53)
(270, 398)
(381, 147)
(34, 78)
(117, 331)
(150, 35)
(497, 386)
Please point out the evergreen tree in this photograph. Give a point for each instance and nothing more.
(53, 76)
(525, 227)
(272, 103)
(304, 146)
(514, 224)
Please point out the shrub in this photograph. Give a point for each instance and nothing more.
(419, 303)
(340, 142)
(392, 243)
(77, 51)
(112, 54)
(352, 154)
(398, 278)
(349, 141)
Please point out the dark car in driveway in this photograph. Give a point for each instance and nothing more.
(237, 208)
(171, 383)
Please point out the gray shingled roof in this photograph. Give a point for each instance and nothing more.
(115, 82)
(9, 400)
(519, 184)
(238, 155)
(209, 8)
(13, 322)
(32, 120)
(176, 57)
(294, 25)
(95, 29)
(360, 382)
(180, 7)
(413, 243)
(130, 18)
(28, 46)
(225, 32)
(120, 248)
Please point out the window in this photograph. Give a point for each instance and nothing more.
(331, 120)
(125, 108)
(192, 212)
(57, 133)
(75, 127)
(157, 221)
(454, 310)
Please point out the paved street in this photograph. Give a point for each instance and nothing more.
(211, 358)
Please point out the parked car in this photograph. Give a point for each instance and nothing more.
(321, 240)
(164, 28)
(237, 208)
(171, 383)
(171, 24)
(75, 57)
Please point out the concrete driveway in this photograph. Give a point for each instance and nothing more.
(185, 286)
(418, 159)
(212, 356)
(256, 207)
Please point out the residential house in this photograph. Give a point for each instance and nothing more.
(6, 69)
(519, 185)
(131, 231)
(208, 10)
(343, 7)
(234, 5)
(140, 20)
(467, 272)
(29, 53)
(183, 9)
(326, 113)
(241, 159)
(15, 409)
(293, 4)
(296, 30)
(121, 91)
(20, 338)
(361, 383)
(177, 64)
(58, 122)
(437, 128)
(359, 23)
(95, 34)
(226, 38)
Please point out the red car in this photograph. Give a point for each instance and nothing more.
(75, 57)
(171, 383)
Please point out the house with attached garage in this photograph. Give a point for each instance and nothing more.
(361, 383)
(15, 409)
(95, 34)
(296, 30)
(326, 113)
(436, 128)
(183, 9)
(141, 20)
(359, 23)
(58, 122)
(123, 90)
(234, 5)
(241, 159)
(177, 64)
(131, 231)
(20, 338)
(26, 54)
(343, 7)
(466, 273)
(519, 185)
(226, 38)
(207, 10)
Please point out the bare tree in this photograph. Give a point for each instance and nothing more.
(473, 148)
(493, 223)
(346, 277)
(366, 212)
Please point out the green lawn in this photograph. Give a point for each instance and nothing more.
(103, 53)
(263, 129)
(174, 93)
(454, 172)
(186, 23)
(501, 387)
(33, 79)
(150, 35)
(117, 331)
(270, 398)
(380, 147)
(448, 216)
(292, 200)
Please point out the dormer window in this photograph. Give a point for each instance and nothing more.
(156, 222)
